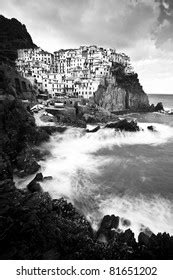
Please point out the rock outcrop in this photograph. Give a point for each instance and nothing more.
(13, 36)
(33, 226)
(124, 125)
(121, 92)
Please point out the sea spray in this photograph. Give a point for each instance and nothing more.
(111, 172)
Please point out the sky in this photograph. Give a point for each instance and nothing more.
(143, 29)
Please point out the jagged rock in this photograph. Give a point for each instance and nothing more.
(129, 237)
(16, 37)
(152, 108)
(111, 125)
(107, 226)
(39, 177)
(159, 107)
(143, 239)
(34, 186)
(26, 163)
(93, 129)
(66, 209)
(121, 92)
(124, 125)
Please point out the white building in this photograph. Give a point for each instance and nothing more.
(71, 71)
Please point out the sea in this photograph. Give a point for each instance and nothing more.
(128, 174)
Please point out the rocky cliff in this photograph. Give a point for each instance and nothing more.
(121, 91)
(13, 36)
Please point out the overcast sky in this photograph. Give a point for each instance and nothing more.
(141, 28)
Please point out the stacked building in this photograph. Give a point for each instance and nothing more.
(71, 72)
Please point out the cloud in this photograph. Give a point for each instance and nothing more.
(141, 28)
(163, 33)
(111, 22)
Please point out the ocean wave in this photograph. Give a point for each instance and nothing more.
(153, 212)
(77, 168)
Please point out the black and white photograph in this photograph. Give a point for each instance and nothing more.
(86, 131)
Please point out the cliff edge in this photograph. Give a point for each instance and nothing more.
(13, 36)
(121, 91)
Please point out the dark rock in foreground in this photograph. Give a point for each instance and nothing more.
(33, 226)
(34, 185)
(107, 227)
(26, 163)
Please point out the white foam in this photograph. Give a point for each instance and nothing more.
(154, 212)
(75, 163)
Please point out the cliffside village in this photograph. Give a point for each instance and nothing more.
(70, 72)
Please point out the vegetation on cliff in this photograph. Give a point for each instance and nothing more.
(121, 91)
(13, 36)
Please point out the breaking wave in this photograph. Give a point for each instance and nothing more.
(104, 173)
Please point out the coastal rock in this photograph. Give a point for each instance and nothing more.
(143, 239)
(26, 163)
(107, 226)
(111, 125)
(93, 129)
(152, 128)
(121, 92)
(159, 107)
(34, 186)
(16, 37)
(40, 135)
(39, 177)
(128, 237)
(124, 125)
(152, 108)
